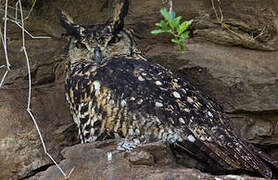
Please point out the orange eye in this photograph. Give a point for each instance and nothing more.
(114, 40)
(80, 45)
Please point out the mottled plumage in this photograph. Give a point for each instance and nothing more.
(114, 92)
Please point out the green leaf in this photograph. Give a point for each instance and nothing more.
(175, 41)
(157, 31)
(165, 14)
(184, 36)
(160, 24)
(163, 25)
(177, 21)
(181, 47)
(184, 26)
(171, 24)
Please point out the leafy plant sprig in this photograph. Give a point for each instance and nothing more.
(171, 24)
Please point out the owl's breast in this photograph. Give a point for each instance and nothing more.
(127, 97)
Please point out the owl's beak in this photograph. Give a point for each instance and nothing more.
(97, 54)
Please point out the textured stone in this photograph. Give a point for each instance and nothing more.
(141, 158)
(90, 162)
(20, 147)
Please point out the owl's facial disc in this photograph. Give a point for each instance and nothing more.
(99, 46)
(97, 43)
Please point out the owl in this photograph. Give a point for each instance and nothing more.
(113, 91)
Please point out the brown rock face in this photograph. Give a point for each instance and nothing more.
(21, 149)
(90, 162)
(233, 59)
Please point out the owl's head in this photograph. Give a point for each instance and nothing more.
(99, 42)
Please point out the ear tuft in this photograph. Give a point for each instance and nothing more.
(67, 22)
(119, 14)
(65, 19)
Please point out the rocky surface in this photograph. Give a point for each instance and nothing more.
(21, 150)
(90, 162)
(233, 59)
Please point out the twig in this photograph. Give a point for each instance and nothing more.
(216, 14)
(31, 9)
(4, 76)
(170, 3)
(29, 93)
(170, 6)
(261, 33)
(220, 20)
(5, 22)
(4, 42)
(33, 37)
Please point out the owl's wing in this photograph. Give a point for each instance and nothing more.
(156, 92)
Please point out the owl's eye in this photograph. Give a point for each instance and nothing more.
(114, 40)
(80, 45)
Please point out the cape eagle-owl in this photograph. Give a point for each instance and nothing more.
(114, 92)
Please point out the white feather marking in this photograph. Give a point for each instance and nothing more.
(158, 83)
(158, 104)
(97, 87)
(140, 101)
(176, 95)
(190, 100)
(140, 78)
(191, 138)
(181, 120)
(123, 103)
(209, 113)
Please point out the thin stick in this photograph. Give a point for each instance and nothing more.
(220, 20)
(261, 33)
(2, 81)
(31, 9)
(33, 37)
(29, 95)
(171, 6)
(216, 14)
(5, 22)
(4, 42)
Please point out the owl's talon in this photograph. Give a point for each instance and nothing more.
(126, 145)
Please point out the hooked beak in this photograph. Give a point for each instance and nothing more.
(97, 54)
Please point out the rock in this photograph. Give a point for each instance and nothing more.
(45, 57)
(90, 162)
(21, 149)
(141, 158)
(159, 151)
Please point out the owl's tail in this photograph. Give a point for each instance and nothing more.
(236, 155)
(265, 157)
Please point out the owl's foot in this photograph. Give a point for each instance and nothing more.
(123, 146)
(126, 145)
